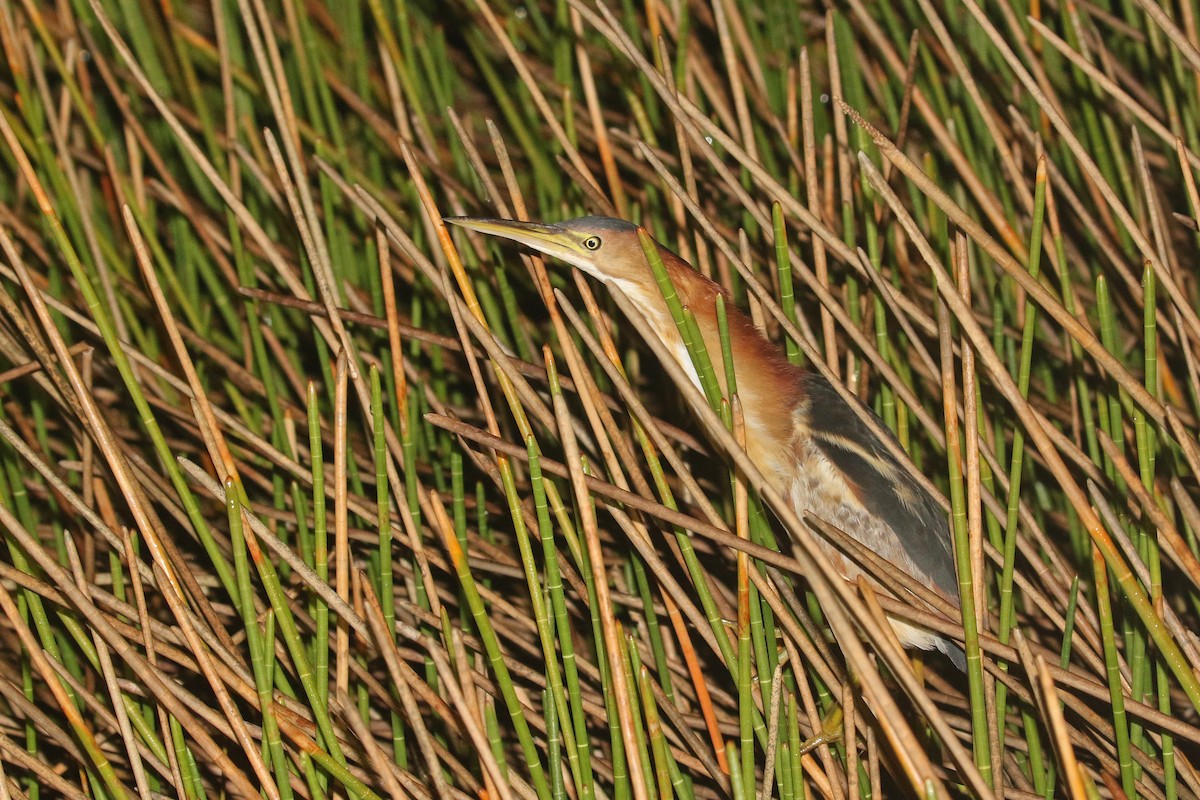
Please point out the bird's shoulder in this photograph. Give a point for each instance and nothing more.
(880, 482)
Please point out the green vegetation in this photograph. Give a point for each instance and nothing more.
(303, 495)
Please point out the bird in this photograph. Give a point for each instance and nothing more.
(801, 433)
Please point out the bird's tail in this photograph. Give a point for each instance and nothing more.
(912, 636)
(953, 652)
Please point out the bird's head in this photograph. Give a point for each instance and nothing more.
(611, 251)
(604, 247)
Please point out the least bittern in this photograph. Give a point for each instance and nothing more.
(800, 432)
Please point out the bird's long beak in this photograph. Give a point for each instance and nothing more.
(549, 239)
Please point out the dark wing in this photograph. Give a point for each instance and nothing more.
(883, 484)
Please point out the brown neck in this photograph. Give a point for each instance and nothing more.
(769, 387)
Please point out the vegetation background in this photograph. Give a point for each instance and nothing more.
(301, 494)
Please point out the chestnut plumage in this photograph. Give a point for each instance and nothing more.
(800, 432)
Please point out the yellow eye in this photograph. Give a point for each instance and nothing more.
(592, 243)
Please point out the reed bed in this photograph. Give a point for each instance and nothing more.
(305, 495)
